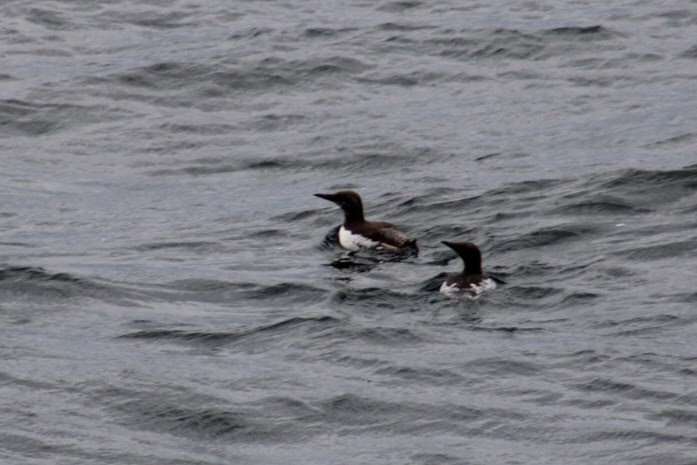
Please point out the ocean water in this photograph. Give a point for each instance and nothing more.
(170, 291)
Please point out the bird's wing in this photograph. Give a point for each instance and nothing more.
(392, 237)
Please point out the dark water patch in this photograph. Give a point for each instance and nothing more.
(22, 118)
(7, 379)
(352, 361)
(34, 118)
(498, 44)
(197, 421)
(208, 285)
(634, 436)
(414, 78)
(678, 18)
(587, 357)
(200, 129)
(272, 164)
(433, 284)
(416, 374)
(399, 7)
(231, 293)
(503, 367)
(557, 274)
(391, 26)
(661, 318)
(624, 390)
(534, 268)
(662, 362)
(591, 404)
(35, 127)
(489, 156)
(580, 298)
(288, 292)
(686, 417)
(272, 73)
(435, 459)
(38, 283)
(373, 298)
(274, 122)
(164, 75)
(650, 187)
(605, 385)
(252, 33)
(32, 445)
(201, 246)
(196, 170)
(351, 263)
(202, 337)
(601, 205)
(366, 260)
(208, 167)
(331, 65)
(155, 18)
(356, 411)
(51, 20)
(512, 44)
(349, 408)
(452, 232)
(287, 406)
(596, 32)
(17, 244)
(269, 234)
(533, 292)
(292, 217)
(255, 336)
(602, 82)
(203, 161)
(284, 419)
(535, 187)
(326, 32)
(258, 78)
(681, 139)
(366, 162)
(384, 336)
(688, 297)
(641, 178)
(613, 272)
(299, 321)
(658, 252)
(458, 204)
(643, 326)
(547, 236)
(331, 241)
(510, 330)
(179, 76)
(196, 417)
(12, 108)
(513, 76)
(690, 53)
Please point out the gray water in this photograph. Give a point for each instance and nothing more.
(166, 288)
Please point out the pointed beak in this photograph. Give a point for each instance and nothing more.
(449, 244)
(329, 197)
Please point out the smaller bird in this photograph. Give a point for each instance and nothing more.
(472, 281)
(358, 233)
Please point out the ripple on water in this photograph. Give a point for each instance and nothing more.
(255, 338)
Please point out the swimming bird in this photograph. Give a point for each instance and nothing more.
(358, 233)
(472, 281)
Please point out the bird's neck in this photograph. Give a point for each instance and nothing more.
(472, 268)
(353, 216)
